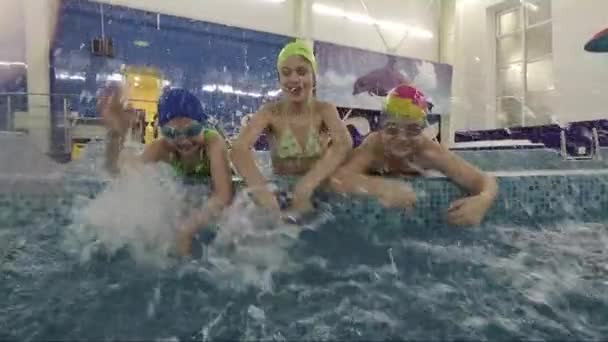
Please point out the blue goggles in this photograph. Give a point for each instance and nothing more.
(191, 131)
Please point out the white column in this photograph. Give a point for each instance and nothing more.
(302, 19)
(40, 17)
(447, 36)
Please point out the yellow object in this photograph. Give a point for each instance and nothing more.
(143, 86)
(76, 149)
(404, 108)
(297, 48)
(77, 146)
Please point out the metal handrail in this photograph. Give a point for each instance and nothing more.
(595, 147)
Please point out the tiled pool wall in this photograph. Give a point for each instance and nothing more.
(538, 199)
(505, 160)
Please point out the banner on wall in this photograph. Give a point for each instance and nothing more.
(356, 78)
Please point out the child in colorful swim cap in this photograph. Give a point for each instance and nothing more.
(298, 127)
(400, 148)
(192, 149)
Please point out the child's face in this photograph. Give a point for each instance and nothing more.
(399, 134)
(296, 77)
(184, 135)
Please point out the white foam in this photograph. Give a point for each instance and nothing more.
(135, 211)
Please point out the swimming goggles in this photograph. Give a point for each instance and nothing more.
(188, 132)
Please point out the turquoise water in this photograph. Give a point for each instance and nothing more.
(90, 263)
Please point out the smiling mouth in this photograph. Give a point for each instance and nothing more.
(294, 90)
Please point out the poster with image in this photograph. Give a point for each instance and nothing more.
(356, 78)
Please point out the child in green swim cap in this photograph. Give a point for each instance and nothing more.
(299, 128)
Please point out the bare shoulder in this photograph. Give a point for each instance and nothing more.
(325, 108)
(269, 108)
(427, 146)
(268, 111)
(430, 153)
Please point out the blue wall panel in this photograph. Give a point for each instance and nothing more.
(189, 54)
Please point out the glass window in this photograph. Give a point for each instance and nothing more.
(540, 75)
(539, 41)
(535, 53)
(509, 22)
(538, 11)
(509, 111)
(509, 50)
(509, 81)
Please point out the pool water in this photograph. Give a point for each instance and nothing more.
(81, 275)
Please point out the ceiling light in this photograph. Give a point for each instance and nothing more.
(367, 20)
(5, 63)
(228, 89)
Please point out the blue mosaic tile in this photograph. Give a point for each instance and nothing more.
(537, 199)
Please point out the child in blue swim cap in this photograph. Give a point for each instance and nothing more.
(192, 149)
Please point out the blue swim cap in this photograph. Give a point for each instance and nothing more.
(179, 103)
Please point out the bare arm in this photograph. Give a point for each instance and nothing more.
(118, 121)
(221, 177)
(467, 176)
(244, 162)
(335, 155)
(114, 144)
(353, 178)
(348, 178)
(222, 186)
(242, 149)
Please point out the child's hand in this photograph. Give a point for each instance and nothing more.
(300, 204)
(267, 200)
(397, 194)
(110, 106)
(184, 242)
(469, 210)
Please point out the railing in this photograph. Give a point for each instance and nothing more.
(53, 119)
(594, 154)
(59, 119)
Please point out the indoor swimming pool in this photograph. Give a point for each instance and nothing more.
(195, 90)
(535, 270)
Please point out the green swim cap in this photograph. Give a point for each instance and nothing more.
(297, 48)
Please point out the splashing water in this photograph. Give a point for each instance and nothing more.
(140, 211)
(547, 272)
(136, 211)
(250, 246)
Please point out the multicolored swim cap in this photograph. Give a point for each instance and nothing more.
(297, 48)
(406, 102)
(179, 103)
